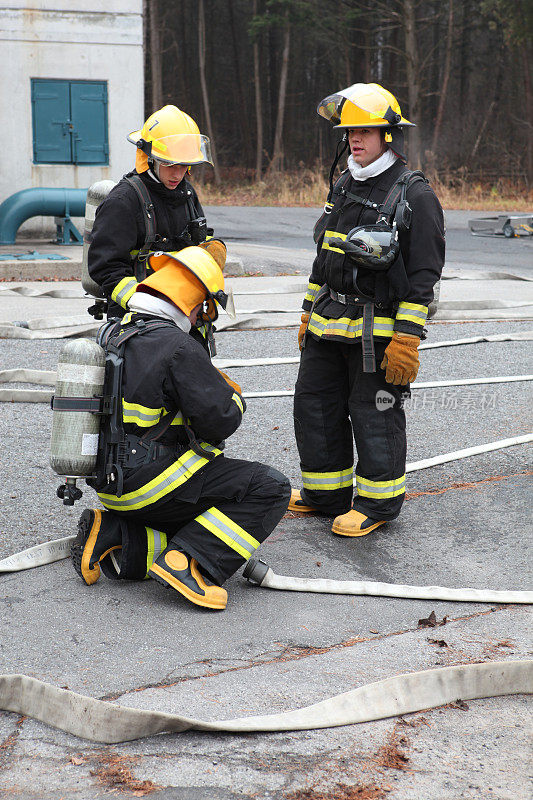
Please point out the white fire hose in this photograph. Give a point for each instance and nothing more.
(100, 721)
(260, 574)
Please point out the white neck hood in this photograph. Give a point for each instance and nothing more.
(142, 301)
(378, 166)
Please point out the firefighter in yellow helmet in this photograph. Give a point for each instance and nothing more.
(152, 208)
(380, 251)
(174, 508)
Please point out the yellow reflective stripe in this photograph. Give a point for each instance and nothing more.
(220, 525)
(143, 416)
(202, 330)
(156, 541)
(330, 235)
(126, 318)
(412, 312)
(380, 490)
(328, 480)
(349, 328)
(312, 290)
(146, 417)
(235, 397)
(123, 291)
(170, 479)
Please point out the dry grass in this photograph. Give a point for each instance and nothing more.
(308, 187)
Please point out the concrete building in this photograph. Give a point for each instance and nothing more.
(72, 83)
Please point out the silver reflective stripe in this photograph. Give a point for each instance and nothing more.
(178, 472)
(381, 489)
(133, 413)
(227, 530)
(124, 294)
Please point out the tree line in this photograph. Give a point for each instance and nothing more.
(251, 73)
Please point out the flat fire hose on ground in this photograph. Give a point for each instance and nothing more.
(260, 574)
(48, 552)
(48, 378)
(100, 721)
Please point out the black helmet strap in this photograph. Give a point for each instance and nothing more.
(341, 147)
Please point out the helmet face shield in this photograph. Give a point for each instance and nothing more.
(180, 148)
(362, 105)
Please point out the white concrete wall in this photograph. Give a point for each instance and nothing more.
(70, 40)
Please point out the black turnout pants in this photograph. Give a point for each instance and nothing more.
(219, 517)
(336, 402)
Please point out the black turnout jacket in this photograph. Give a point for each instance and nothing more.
(402, 297)
(167, 372)
(119, 232)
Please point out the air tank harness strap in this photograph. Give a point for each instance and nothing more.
(149, 224)
(395, 205)
(367, 332)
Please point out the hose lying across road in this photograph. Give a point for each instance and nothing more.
(100, 721)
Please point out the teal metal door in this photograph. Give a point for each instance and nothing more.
(88, 107)
(51, 121)
(69, 122)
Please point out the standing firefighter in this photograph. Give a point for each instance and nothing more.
(176, 509)
(152, 208)
(380, 251)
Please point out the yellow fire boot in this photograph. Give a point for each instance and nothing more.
(354, 524)
(176, 569)
(297, 504)
(98, 535)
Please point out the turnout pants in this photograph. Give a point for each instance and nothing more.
(336, 402)
(222, 516)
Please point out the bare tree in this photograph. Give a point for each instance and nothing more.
(203, 82)
(413, 79)
(258, 106)
(277, 155)
(445, 79)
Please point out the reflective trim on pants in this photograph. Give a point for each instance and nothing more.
(222, 526)
(123, 291)
(156, 541)
(169, 480)
(328, 480)
(379, 490)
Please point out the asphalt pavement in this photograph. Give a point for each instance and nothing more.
(465, 523)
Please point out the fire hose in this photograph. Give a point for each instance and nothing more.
(100, 721)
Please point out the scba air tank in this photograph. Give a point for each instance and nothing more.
(96, 194)
(80, 374)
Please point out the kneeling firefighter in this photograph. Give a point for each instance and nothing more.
(380, 251)
(175, 508)
(153, 208)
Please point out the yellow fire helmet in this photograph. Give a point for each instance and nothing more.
(189, 277)
(363, 105)
(170, 136)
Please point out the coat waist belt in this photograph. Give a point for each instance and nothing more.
(367, 338)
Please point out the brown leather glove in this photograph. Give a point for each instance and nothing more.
(234, 386)
(217, 249)
(400, 360)
(302, 330)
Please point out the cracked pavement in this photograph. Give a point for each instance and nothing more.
(467, 523)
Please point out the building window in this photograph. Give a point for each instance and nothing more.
(69, 122)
